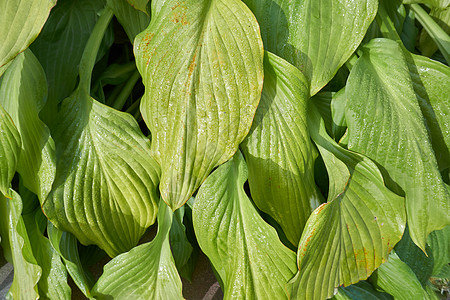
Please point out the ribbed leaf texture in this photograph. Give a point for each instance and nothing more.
(10, 144)
(146, 272)
(315, 36)
(351, 235)
(386, 123)
(24, 20)
(244, 250)
(202, 67)
(23, 92)
(279, 151)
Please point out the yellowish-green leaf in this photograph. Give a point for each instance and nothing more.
(317, 37)
(202, 67)
(279, 151)
(351, 235)
(20, 23)
(10, 144)
(244, 250)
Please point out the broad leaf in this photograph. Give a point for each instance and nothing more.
(20, 23)
(17, 249)
(65, 244)
(202, 67)
(145, 272)
(10, 144)
(385, 123)
(278, 149)
(244, 250)
(397, 279)
(105, 191)
(441, 16)
(432, 86)
(317, 37)
(53, 282)
(349, 237)
(132, 20)
(23, 92)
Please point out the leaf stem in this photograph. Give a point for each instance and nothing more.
(126, 91)
(439, 36)
(90, 51)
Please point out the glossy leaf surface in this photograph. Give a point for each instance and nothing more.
(386, 123)
(202, 66)
(105, 191)
(245, 251)
(16, 245)
(23, 93)
(24, 20)
(278, 149)
(351, 235)
(317, 37)
(10, 144)
(145, 272)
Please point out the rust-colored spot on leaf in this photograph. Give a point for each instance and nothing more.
(179, 14)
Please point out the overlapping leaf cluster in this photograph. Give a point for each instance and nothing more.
(302, 145)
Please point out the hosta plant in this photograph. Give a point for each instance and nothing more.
(301, 145)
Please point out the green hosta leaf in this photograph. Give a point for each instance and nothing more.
(17, 249)
(105, 187)
(202, 66)
(20, 23)
(315, 36)
(441, 16)
(245, 251)
(346, 239)
(279, 152)
(432, 86)
(146, 271)
(65, 244)
(23, 92)
(432, 3)
(105, 191)
(132, 20)
(60, 45)
(53, 282)
(139, 4)
(10, 144)
(360, 291)
(397, 279)
(385, 123)
(181, 247)
(439, 242)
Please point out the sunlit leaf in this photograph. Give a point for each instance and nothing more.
(397, 279)
(279, 152)
(139, 4)
(132, 20)
(10, 144)
(317, 37)
(65, 244)
(53, 281)
(17, 249)
(432, 86)
(145, 272)
(349, 237)
(385, 123)
(244, 250)
(23, 92)
(202, 66)
(20, 23)
(438, 242)
(105, 191)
